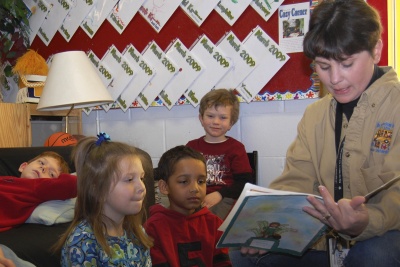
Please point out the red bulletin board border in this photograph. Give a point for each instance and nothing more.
(294, 78)
(382, 7)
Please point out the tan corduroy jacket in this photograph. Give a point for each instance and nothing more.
(371, 154)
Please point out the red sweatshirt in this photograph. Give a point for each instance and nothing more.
(228, 167)
(181, 240)
(20, 196)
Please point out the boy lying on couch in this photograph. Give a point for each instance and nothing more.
(43, 178)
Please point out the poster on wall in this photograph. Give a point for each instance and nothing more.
(144, 73)
(123, 73)
(97, 16)
(123, 12)
(158, 12)
(266, 8)
(198, 10)
(41, 8)
(74, 18)
(103, 71)
(166, 70)
(54, 20)
(189, 70)
(293, 25)
(216, 65)
(243, 61)
(271, 58)
(231, 10)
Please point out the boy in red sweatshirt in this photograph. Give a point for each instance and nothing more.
(44, 178)
(185, 234)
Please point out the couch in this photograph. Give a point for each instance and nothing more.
(32, 241)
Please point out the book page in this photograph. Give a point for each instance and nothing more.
(271, 220)
(254, 190)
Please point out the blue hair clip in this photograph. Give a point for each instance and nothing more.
(102, 137)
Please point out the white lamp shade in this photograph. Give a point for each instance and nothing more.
(72, 80)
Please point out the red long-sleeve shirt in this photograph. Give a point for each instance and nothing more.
(181, 240)
(20, 196)
(228, 167)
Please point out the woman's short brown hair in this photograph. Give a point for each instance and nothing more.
(342, 28)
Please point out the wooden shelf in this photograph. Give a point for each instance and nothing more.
(15, 124)
(75, 117)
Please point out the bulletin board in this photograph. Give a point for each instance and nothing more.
(294, 80)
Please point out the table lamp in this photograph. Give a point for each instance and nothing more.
(72, 82)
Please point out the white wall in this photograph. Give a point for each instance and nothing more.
(268, 127)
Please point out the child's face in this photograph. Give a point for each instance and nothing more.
(44, 167)
(186, 187)
(127, 193)
(216, 122)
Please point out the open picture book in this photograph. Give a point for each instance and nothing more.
(271, 220)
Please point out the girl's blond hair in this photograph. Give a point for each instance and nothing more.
(97, 167)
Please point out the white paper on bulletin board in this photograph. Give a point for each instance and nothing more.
(293, 25)
(243, 61)
(123, 12)
(145, 72)
(271, 59)
(104, 73)
(158, 12)
(216, 65)
(189, 69)
(198, 10)
(74, 18)
(266, 8)
(231, 10)
(165, 72)
(123, 73)
(97, 16)
(54, 20)
(42, 8)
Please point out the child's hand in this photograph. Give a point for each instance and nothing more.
(212, 199)
(4, 262)
(252, 251)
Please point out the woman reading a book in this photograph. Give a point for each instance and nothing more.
(348, 143)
